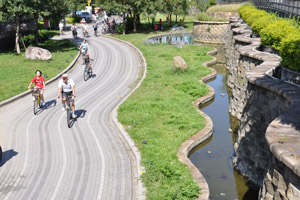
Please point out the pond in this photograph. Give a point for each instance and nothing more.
(184, 38)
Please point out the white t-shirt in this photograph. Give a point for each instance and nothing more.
(61, 26)
(66, 87)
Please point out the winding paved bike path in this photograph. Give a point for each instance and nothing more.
(44, 159)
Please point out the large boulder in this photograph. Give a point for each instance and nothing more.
(179, 63)
(37, 53)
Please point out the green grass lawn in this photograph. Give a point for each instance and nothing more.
(161, 112)
(16, 71)
(225, 8)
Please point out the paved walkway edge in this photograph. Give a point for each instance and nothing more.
(140, 192)
(7, 101)
(202, 135)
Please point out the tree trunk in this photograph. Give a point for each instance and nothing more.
(134, 22)
(139, 19)
(153, 23)
(36, 30)
(171, 20)
(17, 34)
(176, 18)
(124, 24)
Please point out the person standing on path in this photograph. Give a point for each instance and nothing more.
(66, 91)
(61, 27)
(160, 24)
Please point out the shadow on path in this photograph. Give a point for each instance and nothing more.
(7, 155)
(80, 114)
(50, 104)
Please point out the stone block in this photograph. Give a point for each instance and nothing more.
(268, 197)
(293, 192)
(279, 181)
(268, 184)
(280, 195)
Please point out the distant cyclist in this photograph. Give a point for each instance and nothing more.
(87, 61)
(86, 30)
(84, 47)
(39, 82)
(66, 91)
(74, 31)
(95, 26)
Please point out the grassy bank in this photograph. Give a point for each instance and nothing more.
(225, 8)
(16, 71)
(161, 113)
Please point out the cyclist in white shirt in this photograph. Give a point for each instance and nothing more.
(66, 91)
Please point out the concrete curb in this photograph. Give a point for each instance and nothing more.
(7, 101)
(202, 135)
(141, 190)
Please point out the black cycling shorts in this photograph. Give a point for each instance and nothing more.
(67, 95)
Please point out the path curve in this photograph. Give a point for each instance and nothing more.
(44, 159)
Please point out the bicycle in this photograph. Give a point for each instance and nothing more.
(95, 32)
(68, 110)
(37, 104)
(85, 33)
(87, 73)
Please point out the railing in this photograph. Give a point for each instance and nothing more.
(284, 8)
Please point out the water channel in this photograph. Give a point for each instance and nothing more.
(214, 157)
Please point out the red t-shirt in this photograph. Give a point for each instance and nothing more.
(38, 81)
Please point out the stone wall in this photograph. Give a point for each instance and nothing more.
(267, 149)
(209, 32)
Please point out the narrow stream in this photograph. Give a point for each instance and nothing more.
(214, 157)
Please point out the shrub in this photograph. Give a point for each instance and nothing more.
(28, 39)
(290, 51)
(273, 34)
(204, 17)
(281, 34)
(71, 20)
(263, 22)
(120, 29)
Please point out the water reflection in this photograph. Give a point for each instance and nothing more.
(214, 157)
(173, 39)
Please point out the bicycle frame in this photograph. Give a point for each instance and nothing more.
(36, 104)
(68, 110)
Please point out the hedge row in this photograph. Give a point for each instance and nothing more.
(281, 34)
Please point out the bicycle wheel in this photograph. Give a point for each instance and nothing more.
(90, 72)
(39, 102)
(35, 106)
(68, 116)
(85, 74)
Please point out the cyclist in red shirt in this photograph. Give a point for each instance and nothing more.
(39, 82)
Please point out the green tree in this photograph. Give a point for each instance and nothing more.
(181, 7)
(15, 10)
